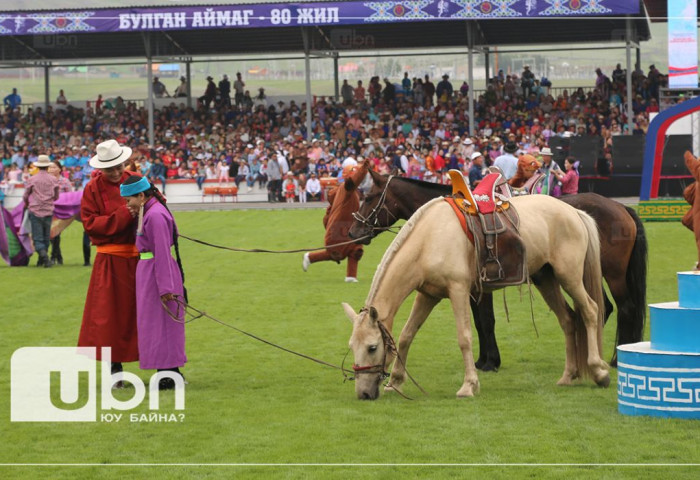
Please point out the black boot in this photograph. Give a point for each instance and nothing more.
(117, 368)
(56, 256)
(168, 383)
(44, 259)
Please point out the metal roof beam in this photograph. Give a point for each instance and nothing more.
(26, 46)
(175, 43)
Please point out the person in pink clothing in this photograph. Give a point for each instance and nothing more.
(569, 180)
(40, 193)
(159, 282)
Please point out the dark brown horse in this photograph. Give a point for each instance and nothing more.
(623, 253)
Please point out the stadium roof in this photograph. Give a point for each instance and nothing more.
(46, 42)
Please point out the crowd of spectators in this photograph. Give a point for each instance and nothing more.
(412, 126)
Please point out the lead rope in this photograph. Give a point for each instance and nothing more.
(187, 309)
(261, 250)
(389, 341)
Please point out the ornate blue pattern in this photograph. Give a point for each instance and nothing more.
(486, 9)
(403, 10)
(575, 7)
(58, 23)
(659, 390)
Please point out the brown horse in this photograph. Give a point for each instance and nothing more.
(623, 253)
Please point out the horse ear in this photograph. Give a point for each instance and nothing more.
(376, 178)
(349, 312)
(373, 314)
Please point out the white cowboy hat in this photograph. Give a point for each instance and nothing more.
(42, 161)
(546, 151)
(467, 141)
(476, 155)
(110, 154)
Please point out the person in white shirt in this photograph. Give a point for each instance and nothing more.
(507, 162)
(403, 158)
(282, 160)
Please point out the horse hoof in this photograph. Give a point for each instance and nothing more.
(604, 381)
(488, 367)
(468, 390)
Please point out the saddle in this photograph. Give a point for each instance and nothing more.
(492, 224)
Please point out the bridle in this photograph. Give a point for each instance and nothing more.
(389, 347)
(372, 219)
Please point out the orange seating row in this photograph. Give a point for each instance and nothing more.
(222, 192)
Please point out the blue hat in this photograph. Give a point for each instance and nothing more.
(135, 188)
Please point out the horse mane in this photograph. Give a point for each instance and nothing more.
(390, 253)
(436, 187)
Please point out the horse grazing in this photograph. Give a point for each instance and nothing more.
(433, 256)
(623, 253)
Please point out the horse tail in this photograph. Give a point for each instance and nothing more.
(593, 283)
(631, 315)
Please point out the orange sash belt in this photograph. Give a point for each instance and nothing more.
(124, 250)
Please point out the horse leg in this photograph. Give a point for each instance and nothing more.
(549, 288)
(485, 322)
(460, 300)
(588, 311)
(422, 306)
(608, 307)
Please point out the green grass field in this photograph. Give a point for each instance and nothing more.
(248, 403)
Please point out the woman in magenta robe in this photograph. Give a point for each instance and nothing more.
(159, 280)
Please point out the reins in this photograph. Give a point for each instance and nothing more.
(262, 250)
(195, 313)
(389, 344)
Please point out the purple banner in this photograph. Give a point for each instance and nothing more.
(300, 14)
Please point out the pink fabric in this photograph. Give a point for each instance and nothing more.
(569, 183)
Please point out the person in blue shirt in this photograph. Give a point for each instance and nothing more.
(72, 160)
(84, 158)
(476, 171)
(13, 100)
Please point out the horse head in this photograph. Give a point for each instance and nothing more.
(370, 343)
(367, 221)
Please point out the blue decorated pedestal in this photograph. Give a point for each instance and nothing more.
(662, 377)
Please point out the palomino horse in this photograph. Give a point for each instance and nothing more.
(432, 255)
(623, 253)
